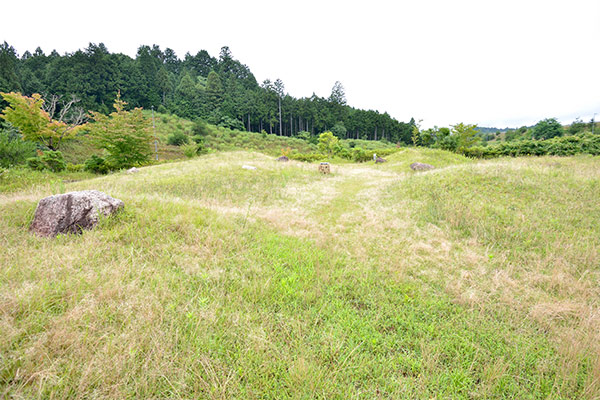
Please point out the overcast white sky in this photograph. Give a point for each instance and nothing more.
(494, 63)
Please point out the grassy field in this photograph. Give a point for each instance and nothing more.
(476, 280)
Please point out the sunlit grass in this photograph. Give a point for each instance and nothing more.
(474, 280)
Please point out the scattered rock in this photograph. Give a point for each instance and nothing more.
(380, 160)
(72, 212)
(133, 170)
(324, 168)
(248, 167)
(283, 159)
(420, 166)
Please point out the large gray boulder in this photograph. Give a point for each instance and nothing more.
(72, 212)
(421, 166)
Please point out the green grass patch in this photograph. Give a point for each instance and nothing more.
(21, 178)
(172, 300)
(220, 282)
(537, 207)
(401, 160)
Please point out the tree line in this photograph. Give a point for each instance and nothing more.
(546, 137)
(220, 90)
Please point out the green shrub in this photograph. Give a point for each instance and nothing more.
(97, 165)
(74, 167)
(198, 139)
(189, 150)
(344, 153)
(329, 143)
(35, 164)
(200, 128)
(557, 146)
(178, 139)
(359, 154)
(231, 123)
(14, 150)
(48, 160)
(54, 161)
(304, 135)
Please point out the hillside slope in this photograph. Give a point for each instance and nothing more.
(473, 280)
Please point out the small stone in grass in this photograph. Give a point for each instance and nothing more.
(421, 166)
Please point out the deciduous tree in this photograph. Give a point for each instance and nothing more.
(328, 143)
(35, 118)
(547, 128)
(125, 135)
(466, 135)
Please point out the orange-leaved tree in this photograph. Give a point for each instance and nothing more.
(36, 123)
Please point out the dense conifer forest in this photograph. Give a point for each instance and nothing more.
(222, 91)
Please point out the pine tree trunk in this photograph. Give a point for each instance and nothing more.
(280, 125)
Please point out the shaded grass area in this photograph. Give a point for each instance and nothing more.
(17, 179)
(171, 300)
(224, 139)
(78, 149)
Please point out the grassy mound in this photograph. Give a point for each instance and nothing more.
(474, 280)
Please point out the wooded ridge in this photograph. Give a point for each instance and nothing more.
(222, 91)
